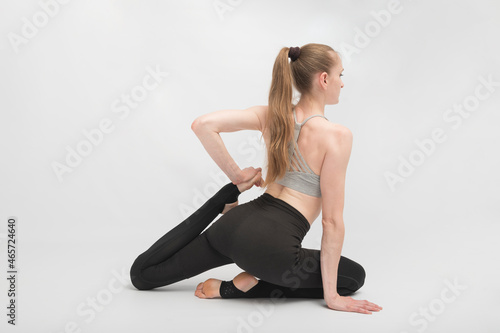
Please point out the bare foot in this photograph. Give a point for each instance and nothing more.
(210, 288)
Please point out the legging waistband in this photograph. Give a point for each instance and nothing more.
(283, 205)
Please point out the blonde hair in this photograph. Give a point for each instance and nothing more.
(313, 58)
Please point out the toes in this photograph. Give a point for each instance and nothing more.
(202, 290)
(199, 292)
(208, 289)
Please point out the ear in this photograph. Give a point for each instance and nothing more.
(322, 78)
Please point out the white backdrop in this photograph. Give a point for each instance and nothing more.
(98, 158)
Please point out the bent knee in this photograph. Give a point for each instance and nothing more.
(357, 276)
(354, 273)
(360, 276)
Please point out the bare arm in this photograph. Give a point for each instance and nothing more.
(208, 126)
(332, 183)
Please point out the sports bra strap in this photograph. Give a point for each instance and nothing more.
(302, 123)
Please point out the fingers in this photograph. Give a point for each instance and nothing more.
(250, 175)
(257, 179)
(363, 306)
(247, 174)
(352, 305)
(260, 182)
(372, 305)
(367, 307)
(361, 309)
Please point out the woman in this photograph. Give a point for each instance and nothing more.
(306, 175)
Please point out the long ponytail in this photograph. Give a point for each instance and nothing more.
(279, 120)
(280, 123)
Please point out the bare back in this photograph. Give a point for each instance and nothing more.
(311, 144)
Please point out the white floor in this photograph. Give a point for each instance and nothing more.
(85, 288)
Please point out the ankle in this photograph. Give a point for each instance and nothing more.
(245, 281)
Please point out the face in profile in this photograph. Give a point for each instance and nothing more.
(334, 81)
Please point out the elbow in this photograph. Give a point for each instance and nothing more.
(196, 124)
(202, 124)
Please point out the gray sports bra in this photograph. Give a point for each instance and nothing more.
(300, 177)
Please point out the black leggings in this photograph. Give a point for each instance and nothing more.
(262, 237)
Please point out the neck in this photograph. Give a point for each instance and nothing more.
(309, 106)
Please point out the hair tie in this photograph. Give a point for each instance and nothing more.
(294, 53)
